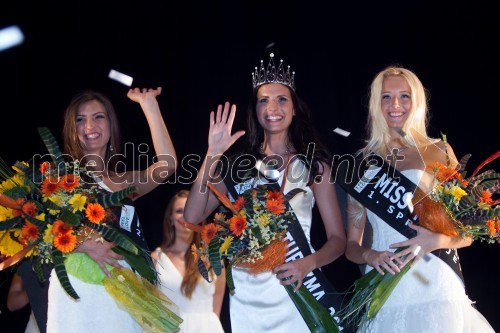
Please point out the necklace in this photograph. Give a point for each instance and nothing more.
(286, 152)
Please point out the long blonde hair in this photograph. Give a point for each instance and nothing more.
(378, 134)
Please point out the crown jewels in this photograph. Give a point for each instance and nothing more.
(273, 75)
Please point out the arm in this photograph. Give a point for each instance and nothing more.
(166, 163)
(355, 252)
(220, 288)
(17, 297)
(326, 199)
(201, 202)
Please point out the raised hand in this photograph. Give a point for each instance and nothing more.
(144, 96)
(219, 134)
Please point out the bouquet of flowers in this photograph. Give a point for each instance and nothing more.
(250, 233)
(457, 206)
(47, 210)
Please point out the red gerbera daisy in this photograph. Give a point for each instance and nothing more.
(239, 203)
(44, 167)
(61, 227)
(49, 186)
(30, 209)
(237, 224)
(29, 231)
(208, 232)
(69, 182)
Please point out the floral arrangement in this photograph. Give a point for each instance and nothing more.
(249, 233)
(457, 206)
(48, 210)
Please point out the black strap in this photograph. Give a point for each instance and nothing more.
(387, 192)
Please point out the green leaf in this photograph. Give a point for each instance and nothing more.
(203, 270)
(53, 148)
(229, 278)
(315, 315)
(214, 256)
(62, 274)
(140, 262)
(114, 198)
(7, 224)
(69, 217)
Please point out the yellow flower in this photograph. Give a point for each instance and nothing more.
(8, 246)
(58, 201)
(47, 236)
(16, 169)
(16, 180)
(457, 192)
(263, 220)
(77, 201)
(226, 244)
(5, 213)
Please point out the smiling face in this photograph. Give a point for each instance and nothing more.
(396, 101)
(93, 128)
(274, 108)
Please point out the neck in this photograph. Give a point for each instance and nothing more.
(276, 145)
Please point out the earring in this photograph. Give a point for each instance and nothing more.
(110, 147)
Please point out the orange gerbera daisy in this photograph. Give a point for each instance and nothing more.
(237, 224)
(49, 186)
(462, 180)
(95, 212)
(219, 217)
(30, 209)
(491, 227)
(445, 174)
(44, 167)
(61, 227)
(486, 197)
(276, 207)
(208, 232)
(65, 242)
(69, 182)
(239, 203)
(435, 167)
(29, 231)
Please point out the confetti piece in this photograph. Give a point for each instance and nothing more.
(120, 77)
(341, 132)
(10, 37)
(270, 45)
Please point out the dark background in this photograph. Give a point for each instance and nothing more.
(202, 54)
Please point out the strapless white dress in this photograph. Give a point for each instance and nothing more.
(429, 298)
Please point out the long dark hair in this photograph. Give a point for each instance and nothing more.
(191, 277)
(301, 133)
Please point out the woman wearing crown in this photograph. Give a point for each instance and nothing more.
(280, 134)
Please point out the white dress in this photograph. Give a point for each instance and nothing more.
(95, 311)
(260, 303)
(429, 298)
(197, 312)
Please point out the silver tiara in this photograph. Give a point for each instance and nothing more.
(273, 75)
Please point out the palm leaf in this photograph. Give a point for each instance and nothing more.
(114, 198)
(203, 270)
(53, 148)
(229, 278)
(140, 262)
(214, 256)
(62, 274)
(463, 162)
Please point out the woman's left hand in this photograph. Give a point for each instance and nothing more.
(425, 241)
(144, 95)
(293, 271)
